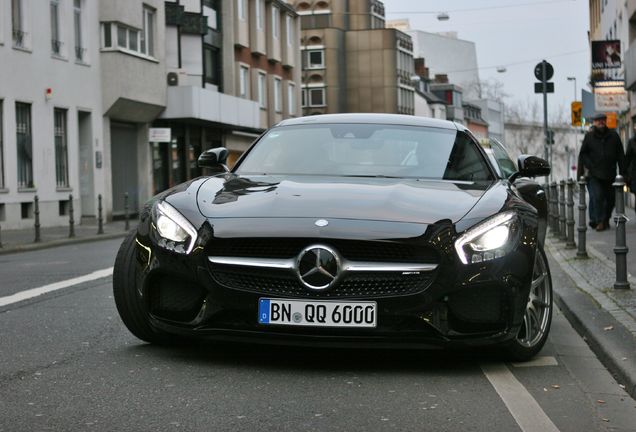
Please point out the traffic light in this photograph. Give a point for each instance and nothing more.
(577, 113)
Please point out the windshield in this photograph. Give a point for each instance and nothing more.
(367, 150)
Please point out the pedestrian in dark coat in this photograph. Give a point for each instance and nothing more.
(601, 152)
(630, 162)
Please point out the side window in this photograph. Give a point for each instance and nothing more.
(466, 162)
(506, 165)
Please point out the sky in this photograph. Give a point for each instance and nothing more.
(516, 34)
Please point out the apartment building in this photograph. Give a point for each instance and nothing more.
(50, 110)
(351, 62)
(247, 79)
(133, 88)
(616, 20)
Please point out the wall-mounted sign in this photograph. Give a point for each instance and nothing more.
(159, 135)
(607, 64)
(611, 99)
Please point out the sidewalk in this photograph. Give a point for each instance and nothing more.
(584, 291)
(22, 240)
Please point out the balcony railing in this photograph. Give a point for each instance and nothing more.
(19, 38)
(80, 53)
(56, 46)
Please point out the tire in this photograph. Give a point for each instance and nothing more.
(526, 344)
(131, 308)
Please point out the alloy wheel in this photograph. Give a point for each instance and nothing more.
(539, 307)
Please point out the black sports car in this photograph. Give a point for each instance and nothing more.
(347, 230)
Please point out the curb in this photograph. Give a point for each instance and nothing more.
(61, 242)
(616, 349)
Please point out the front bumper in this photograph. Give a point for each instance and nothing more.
(464, 305)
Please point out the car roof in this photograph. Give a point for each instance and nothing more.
(390, 119)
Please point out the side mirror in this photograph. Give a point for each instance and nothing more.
(531, 166)
(214, 159)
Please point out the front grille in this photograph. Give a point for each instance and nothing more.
(352, 285)
(352, 250)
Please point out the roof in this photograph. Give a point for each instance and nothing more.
(392, 119)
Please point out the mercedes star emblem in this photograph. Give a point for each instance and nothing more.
(318, 267)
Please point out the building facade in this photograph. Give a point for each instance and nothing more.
(82, 96)
(616, 20)
(351, 62)
(51, 141)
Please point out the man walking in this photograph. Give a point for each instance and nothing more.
(601, 151)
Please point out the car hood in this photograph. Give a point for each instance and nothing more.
(380, 199)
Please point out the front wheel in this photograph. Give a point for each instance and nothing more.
(130, 305)
(538, 314)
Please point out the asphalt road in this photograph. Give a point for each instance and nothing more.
(67, 363)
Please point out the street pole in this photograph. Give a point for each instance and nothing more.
(544, 74)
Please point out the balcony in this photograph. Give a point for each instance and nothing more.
(212, 106)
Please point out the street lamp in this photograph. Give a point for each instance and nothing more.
(573, 79)
(442, 16)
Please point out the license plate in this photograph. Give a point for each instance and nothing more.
(316, 313)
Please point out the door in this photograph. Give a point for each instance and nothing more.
(123, 147)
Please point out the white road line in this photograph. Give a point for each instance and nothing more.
(34, 292)
(538, 361)
(523, 407)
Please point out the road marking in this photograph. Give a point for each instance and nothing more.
(538, 362)
(34, 292)
(523, 407)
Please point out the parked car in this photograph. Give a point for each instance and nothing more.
(351, 230)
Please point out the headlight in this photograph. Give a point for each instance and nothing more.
(175, 232)
(487, 240)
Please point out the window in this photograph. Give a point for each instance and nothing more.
(316, 97)
(24, 144)
(241, 9)
(108, 36)
(289, 28)
(1, 150)
(277, 95)
(56, 42)
(61, 152)
(315, 59)
(212, 64)
(244, 80)
(259, 15)
(79, 43)
(275, 22)
(291, 98)
(262, 89)
(122, 37)
(148, 33)
(131, 40)
(19, 35)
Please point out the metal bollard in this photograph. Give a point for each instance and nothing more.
(582, 228)
(100, 219)
(126, 218)
(0, 236)
(569, 217)
(621, 248)
(554, 222)
(71, 221)
(36, 213)
(563, 234)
